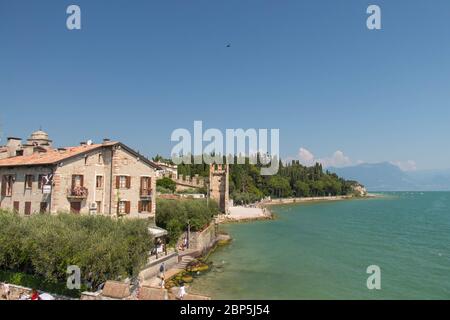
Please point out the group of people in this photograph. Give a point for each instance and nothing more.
(162, 276)
(160, 247)
(184, 244)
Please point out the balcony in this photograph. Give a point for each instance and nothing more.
(77, 193)
(146, 193)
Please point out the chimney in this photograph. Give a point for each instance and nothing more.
(13, 141)
(106, 140)
(13, 145)
(83, 143)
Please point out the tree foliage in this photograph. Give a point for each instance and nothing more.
(292, 180)
(166, 183)
(174, 215)
(45, 245)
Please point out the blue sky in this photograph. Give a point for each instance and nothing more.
(140, 69)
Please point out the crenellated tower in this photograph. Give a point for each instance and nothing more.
(219, 185)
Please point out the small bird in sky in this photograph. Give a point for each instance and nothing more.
(228, 45)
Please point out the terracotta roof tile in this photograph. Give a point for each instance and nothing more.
(116, 290)
(50, 157)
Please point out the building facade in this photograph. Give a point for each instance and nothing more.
(107, 178)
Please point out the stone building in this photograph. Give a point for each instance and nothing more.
(219, 185)
(108, 178)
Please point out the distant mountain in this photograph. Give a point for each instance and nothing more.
(385, 176)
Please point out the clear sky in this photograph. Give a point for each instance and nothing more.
(137, 70)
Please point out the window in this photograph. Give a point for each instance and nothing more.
(99, 206)
(43, 207)
(100, 158)
(99, 182)
(7, 185)
(77, 180)
(27, 208)
(123, 182)
(146, 186)
(16, 206)
(145, 206)
(123, 207)
(29, 178)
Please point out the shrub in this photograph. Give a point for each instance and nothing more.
(45, 245)
(167, 183)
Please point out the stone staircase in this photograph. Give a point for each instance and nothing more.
(184, 262)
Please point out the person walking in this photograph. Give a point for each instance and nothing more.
(162, 270)
(182, 292)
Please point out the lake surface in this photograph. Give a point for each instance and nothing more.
(322, 251)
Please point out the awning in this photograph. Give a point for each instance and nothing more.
(157, 232)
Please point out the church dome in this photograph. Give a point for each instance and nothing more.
(39, 135)
(39, 138)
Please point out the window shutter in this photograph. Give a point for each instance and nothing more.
(128, 182)
(117, 182)
(3, 185)
(82, 181)
(27, 208)
(140, 206)
(149, 181)
(73, 181)
(142, 183)
(127, 207)
(118, 207)
(150, 206)
(30, 181)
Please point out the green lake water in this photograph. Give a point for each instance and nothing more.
(322, 250)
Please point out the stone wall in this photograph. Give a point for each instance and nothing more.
(188, 182)
(21, 194)
(16, 291)
(203, 241)
(91, 165)
(125, 163)
(152, 269)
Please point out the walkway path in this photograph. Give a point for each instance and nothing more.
(241, 213)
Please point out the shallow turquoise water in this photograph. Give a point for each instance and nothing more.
(322, 251)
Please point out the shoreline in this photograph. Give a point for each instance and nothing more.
(282, 201)
(262, 210)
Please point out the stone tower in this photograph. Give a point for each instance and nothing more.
(219, 185)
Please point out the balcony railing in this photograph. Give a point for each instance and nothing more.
(146, 193)
(77, 193)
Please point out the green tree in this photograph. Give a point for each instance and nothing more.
(166, 183)
(302, 189)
